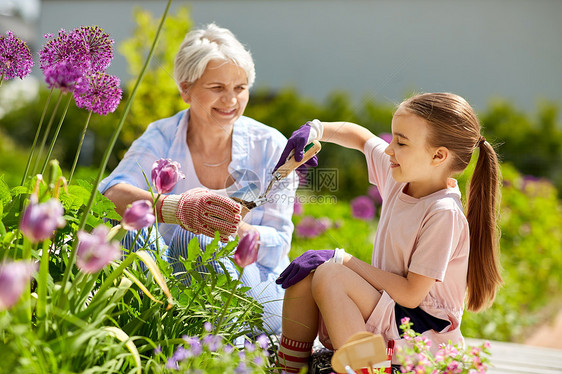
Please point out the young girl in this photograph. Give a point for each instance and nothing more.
(427, 255)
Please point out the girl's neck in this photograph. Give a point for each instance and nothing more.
(422, 189)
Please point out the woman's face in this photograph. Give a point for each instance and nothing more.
(219, 97)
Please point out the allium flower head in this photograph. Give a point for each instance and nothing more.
(64, 47)
(101, 95)
(15, 57)
(39, 221)
(363, 207)
(94, 251)
(140, 214)
(98, 46)
(247, 250)
(165, 175)
(13, 278)
(310, 227)
(65, 76)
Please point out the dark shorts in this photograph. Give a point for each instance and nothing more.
(422, 321)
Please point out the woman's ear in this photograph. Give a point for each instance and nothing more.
(184, 92)
(440, 156)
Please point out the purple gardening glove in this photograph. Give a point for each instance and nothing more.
(298, 140)
(301, 266)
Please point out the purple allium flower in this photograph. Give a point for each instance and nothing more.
(101, 94)
(140, 214)
(65, 47)
(165, 175)
(15, 57)
(98, 45)
(39, 221)
(363, 207)
(94, 251)
(310, 227)
(387, 137)
(247, 250)
(66, 76)
(13, 278)
(375, 194)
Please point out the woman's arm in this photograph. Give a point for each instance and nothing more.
(346, 134)
(123, 194)
(407, 291)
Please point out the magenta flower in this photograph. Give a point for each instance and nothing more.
(98, 46)
(375, 194)
(65, 47)
(39, 221)
(94, 251)
(165, 175)
(387, 137)
(15, 57)
(298, 208)
(247, 250)
(140, 214)
(310, 227)
(13, 278)
(363, 207)
(65, 76)
(101, 94)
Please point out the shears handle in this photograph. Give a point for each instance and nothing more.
(291, 164)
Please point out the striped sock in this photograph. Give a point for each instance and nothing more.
(293, 355)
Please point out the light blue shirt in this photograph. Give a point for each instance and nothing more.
(256, 148)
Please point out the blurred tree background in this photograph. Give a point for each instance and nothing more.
(530, 147)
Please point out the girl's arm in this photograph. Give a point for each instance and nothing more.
(346, 134)
(407, 291)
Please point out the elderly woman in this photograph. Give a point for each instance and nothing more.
(220, 151)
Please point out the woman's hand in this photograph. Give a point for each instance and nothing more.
(202, 212)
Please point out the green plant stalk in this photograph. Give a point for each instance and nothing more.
(79, 147)
(36, 137)
(42, 288)
(225, 308)
(26, 296)
(45, 134)
(109, 149)
(56, 134)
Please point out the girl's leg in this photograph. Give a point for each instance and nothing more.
(344, 299)
(300, 326)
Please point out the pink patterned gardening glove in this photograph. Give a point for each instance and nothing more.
(202, 212)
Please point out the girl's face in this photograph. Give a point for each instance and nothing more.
(219, 97)
(411, 159)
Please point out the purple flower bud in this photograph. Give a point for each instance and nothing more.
(165, 175)
(39, 221)
(94, 251)
(101, 93)
(15, 57)
(363, 207)
(247, 250)
(140, 214)
(13, 278)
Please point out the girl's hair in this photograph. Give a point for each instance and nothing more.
(206, 44)
(454, 125)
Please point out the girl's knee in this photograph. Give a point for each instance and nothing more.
(325, 279)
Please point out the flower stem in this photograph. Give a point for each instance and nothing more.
(56, 134)
(45, 134)
(42, 286)
(79, 147)
(36, 137)
(109, 149)
(225, 308)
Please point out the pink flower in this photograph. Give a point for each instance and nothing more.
(100, 93)
(165, 175)
(363, 207)
(374, 194)
(15, 57)
(13, 278)
(247, 250)
(94, 251)
(310, 227)
(298, 208)
(65, 76)
(39, 221)
(140, 214)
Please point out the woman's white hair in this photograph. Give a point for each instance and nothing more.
(206, 44)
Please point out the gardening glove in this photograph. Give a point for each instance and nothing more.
(297, 142)
(202, 212)
(301, 266)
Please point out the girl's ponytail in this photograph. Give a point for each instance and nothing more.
(483, 196)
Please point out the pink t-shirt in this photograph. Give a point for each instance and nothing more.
(428, 236)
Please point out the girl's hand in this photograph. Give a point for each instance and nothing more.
(303, 265)
(297, 142)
